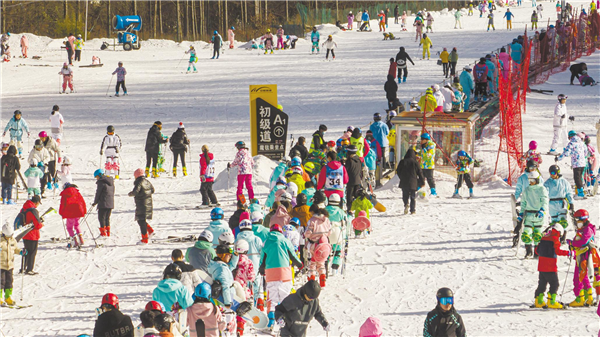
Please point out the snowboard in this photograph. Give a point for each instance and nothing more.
(378, 206)
(92, 65)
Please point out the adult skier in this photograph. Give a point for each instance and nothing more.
(427, 45)
(179, 143)
(110, 147)
(207, 178)
(217, 42)
(401, 58)
(121, 72)
(142, 193)
(67, 74)
(153, 141)
(457, 16)
(577, 70)
(559, 124)
(509, 16)
(315, 37)
(317, 138)
(444, 320)
(170, 291)
(411, 179)
(245, 163)
(481, 71)
(534, 205)
(297, 310)
(104, 200)
(78, 45)
(16, 126)
(380, 133)
(578, 152)
(30, 241)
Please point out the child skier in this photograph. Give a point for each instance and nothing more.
(444, 318)
(16, 125)
(329, 44)
(578, 152)
(280, 33)
(245, 273)
(170, 291)
(217, 225)
(255, 245)
(547, 251)
(207, 178)
(231, 36)
(403, 22)
(419, 28)
(142, 193)
(429, 23)
(179, 143)
(298, 309)
(72, 208)
(8, 249)
(491, 20)
(42, 156)
(268, 38)
(315, 37)
(9, 166)
(34, 176)
(244, 162)
(78, 44)
(350, 17)
(121, 72)
(202, 252)
(317, 233)
(219, 271)
(309, 191)
(427, 45)
(532, 154)
(110, 147)
(582, 244)
(193, 59)
(338, 219)
(205, 311)
(67, 74)
(559, 192)
(361, 223)
(64, 174)
(534, 205)
(104, 199)
(56, 124)
(463, 169)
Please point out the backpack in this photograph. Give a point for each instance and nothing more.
(322, 250)
(21, 218)
(216, 289)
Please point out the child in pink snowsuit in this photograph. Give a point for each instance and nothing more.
(318, 228)
(350, 20)
(231, 35)
(67, 74)
(24, 45)
(244, 162)
(245, 269)
(581, 244)
(280, 37)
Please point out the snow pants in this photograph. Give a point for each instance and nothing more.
(466, 177)
(428, 173)
(578, 176)
(426, 51)
(191, 64)
(17, 142)
(578, 286)
(49, 175)
(143, 226)
(31, 191)
(509, 24)
(546, 278)
(381, 26)
(314, 267)
(280, 42)
(208, 195)
(557, 209)
(112, 166)
(6, 280)
(480, 89)
(67, 80)
(120, 84)
(73, 226)
(247, 180)
(31, 246)
(457, 22)
(276, 292)
(6, 191)
(532, 233)
(445, 69)
(24, 51)
(151, 158)
(327, 53)
(400, 71)
(409, 194)
(78, 55)
(559, 132)
(104, 216)
(315, 45)
(178, 154)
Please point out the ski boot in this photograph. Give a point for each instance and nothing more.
(184, 169)
(589, 297)
(413, 212)
(579, 301)
(552, 303)
(72, 243)
(174, 172)
(56, 186)
(271, 51)
(406, 208)
(260, 304)
(456, 195)
(311, 278)
(102, 231)
(552, 152)
(580, 195)
(10, 202)
(271, 317)
(539, 301)
(433, 192)
(154, 173)
(404, 79)
(79, 238)
(3, 200)
(147, 172)
(535, 253)
(144, 240)
(150, 230)
(8, 299)
(240, 325)
(116, 94)
(322, 279)
(471, 195)
(116, 177)
(107, 231)
(266, 51)
(528, 251)
(49, 186)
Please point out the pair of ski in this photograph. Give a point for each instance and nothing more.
(15, 306)
(171, 239)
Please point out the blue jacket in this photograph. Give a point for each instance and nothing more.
(16, 127)
(365, 16)
(219, 270)
(310, 193)
(271, 197)
(380, 132)
(255, 245)
(578, 152)
(371, 160)
(515, 52)
(467, 83)
(315, 37)
(171, 291)
(260, 231)
(522, 183)
(491, 68)
(558, 189)
(508, 15)
(217, 227)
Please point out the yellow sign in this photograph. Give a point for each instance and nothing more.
(267, 92)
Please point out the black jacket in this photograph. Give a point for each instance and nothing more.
(105, 193)
(234, 221)
(444, 324)
(303, 151)
(317, 140)
(179, 140)
(391, 88)
(353, 167)
(297, 312)
(578, 68)
(10, 165)
(409, 172)
(396, 11)
(154, 139)
(142, 193)
(402, 55)
(113, 324)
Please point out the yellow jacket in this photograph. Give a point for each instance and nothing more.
(431, 102)
(392, 137)
(444, 56)
(426, 42)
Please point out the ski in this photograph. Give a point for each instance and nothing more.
(16, 306)
(189, 238)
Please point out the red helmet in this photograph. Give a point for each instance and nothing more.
(331, 143)
(581, 214)
(111, 299)
(153, 305)
(43, 134)
(277, 228)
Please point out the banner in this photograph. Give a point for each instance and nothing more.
(272, 126)
(268, 93)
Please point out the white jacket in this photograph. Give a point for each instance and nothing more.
(329, 44)
(439, 97)
(448, 98)
(56, 120)
(111, 145)
(66, 71)
(41, 156)
(559, 111)
(53, 148)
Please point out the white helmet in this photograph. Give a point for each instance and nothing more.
(33, 162)
(335, 199)
(292, 189)
(206, 234)
(241, 246)
(286, 196)
(8, 229)
(66, 160)
(558, 227)
(245, 224)
(256, 216)
(226, 238)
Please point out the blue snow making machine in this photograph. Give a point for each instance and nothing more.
(126, 27)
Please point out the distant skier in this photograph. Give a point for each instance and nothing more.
(418, 24)
(426, 155)
(9, 166)
(121, 72)
(463, 169)
(72, 208)
(401, 58)
(350, 17)
(9, 248)
(586, 79)
(24, 45)
(244, 162)
(457, 16)
(231, 36)
(453, 58)
(78, 44)
(153, 141)
(55, 158)
(491, 21)
(193, 59)
(582, 245)
(217, 42)
(179, 144)
(365, 20)
(559, 191)
(142, 193)
(104, 199)
(403, 24)
(329, 44)
(381, 23)
(315, 37)
(411, 179)
(268, 41)
(69, 48)
(444, 320)
(427, 45)
(429, 23)
(280, 34)
(207, 178)
(534, 20)
(34, 177)
(396, 14)
(67, 74)
(509, 16)
(111, 147)
(578, 152)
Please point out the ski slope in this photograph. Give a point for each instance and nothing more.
(393, 274)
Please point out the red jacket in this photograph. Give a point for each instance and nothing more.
(203, 166)
(334, 165)
(32, 217)
(72, 204)
(393, 69)
(548, 249)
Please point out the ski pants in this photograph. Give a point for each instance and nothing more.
(559, 132)
(120, 84)
(457, 21)
(6, 191)
(400, 71)
(315, 45)
(191, 64)
(578, 176)
(350, 189)
(280, 42)
(245, 179)
(180, 154)
(467, 178)
(73, 226)
(364, 24)
(24, 51)
(573, 76)
(491, 25)
(31, 246)
(481, 89)
(276, 292)
(151, 158)
(409, 194)
(452, 68)
(426, 51)
(104, 216)
(532, 233)
(31, 191)
(557, 209)
(445, 68)
(257, 288)
(69, 56)
(216, 52)
(6, 279)
(143, 226)
(77, 55)
(208, 195)
(546, 278)
(428, 173)
(534, 25)
(381, 26)
(112, 166)
(50, 174)
(327, 53)
(314, 267)
(67, 80)
(578, 286)
(509, 24)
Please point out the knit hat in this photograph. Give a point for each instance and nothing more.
(138, 173)
(181, 126)
(371, 328)
(244, 216)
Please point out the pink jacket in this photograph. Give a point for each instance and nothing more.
(281, 217)
(245, 271)
(318, 226)
(72, 42)
(231, 35)
(593, 158)
(371, 328)
(24, 41)
(280, 33)
(210, 314)
(243, 161)
(584, 235)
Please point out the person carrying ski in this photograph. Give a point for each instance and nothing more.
(104, 200)
(427, 45)
(411, 179)
(16, 126)
(193, 59)
(153, 141)
(67, 74)
(8, 249)
(30, 241)
(245, 163)
(205, 311)
(561, 195)
(34, 176)
(401, 58)
(121, 72)
(110, 147)
(578, 152)
(170, 291)
(297, 310)
(350, 17)
(179, 145)
(142, 193)
(230, 36)
(207, 178)
(481, 80)
(280, 33)
(111, 322)
(547, 252)
(426, 155)
(534, 205)
(72, 208)
(217, 42)
(463, 169)
(10, 165)
(329, 44)
(315, 37)
(583, 245)
(444, 320)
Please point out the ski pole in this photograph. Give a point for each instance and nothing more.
(565, 282)
(109, 83)
(88, 225)
(22, 273)
(180, 60)
(65, 228)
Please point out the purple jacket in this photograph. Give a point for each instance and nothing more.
(121, 72)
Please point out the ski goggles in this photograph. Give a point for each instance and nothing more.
(446, 300)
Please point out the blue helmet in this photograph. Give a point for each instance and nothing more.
(281, 180)
(426, 136)
(215, 32)
(232, 28)
(462, 153)
(240, 145)
(296, 162)
(216, 214)
(98, 172)
(287, 37)
(295, 222)
(202, 290)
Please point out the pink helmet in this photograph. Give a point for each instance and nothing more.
(138, 173)
(533, 145)
(43, 134)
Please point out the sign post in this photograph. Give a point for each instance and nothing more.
(272, 126)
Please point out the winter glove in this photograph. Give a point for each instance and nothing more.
(572, 118)
(520, 217)
(540, 214)
(203, 179)
(130, 194)
(228, 166)
(59, 160)
(23, 252)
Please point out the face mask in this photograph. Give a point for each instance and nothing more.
(580, 224)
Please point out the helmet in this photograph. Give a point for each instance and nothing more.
(207, 235)
(120, 63)
(232, 28)
(393, 114)
(256, 216)
(17, 112)
(295, 222)
(43, 134)
(281, 180)
(352, 149)
(153, 305)
(312, 289)
(163, 322)
(55, 108)
(216, 214)
(358, 191)
(292, 187)
(286, 197)
(533, 145)
(33, 162)
(226, 238)
(581, 214)
(533, 175)
(301, 199)
(240, 145)
(345, 142)
(287, 37)
(554, 169)
(245, 224)
(335, 199)
(330, 36)
(98, 172)
(331, 143)
(350, 128)
(319, 197)
(558, 227)
(377, 116)
(110, 299)
(350, 12)
(425, 136)
(38, 142)
(296, 161)
(562, 96)
(444, 293)
(572, 133)
(241, 246)
(172, 271)
(110, 128)
(462, 153)
(203, 290)
(277, 228)
(224, 249)
(215, 32)
(8, 229)
(268, 30)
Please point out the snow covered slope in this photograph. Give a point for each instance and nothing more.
(393, 274)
